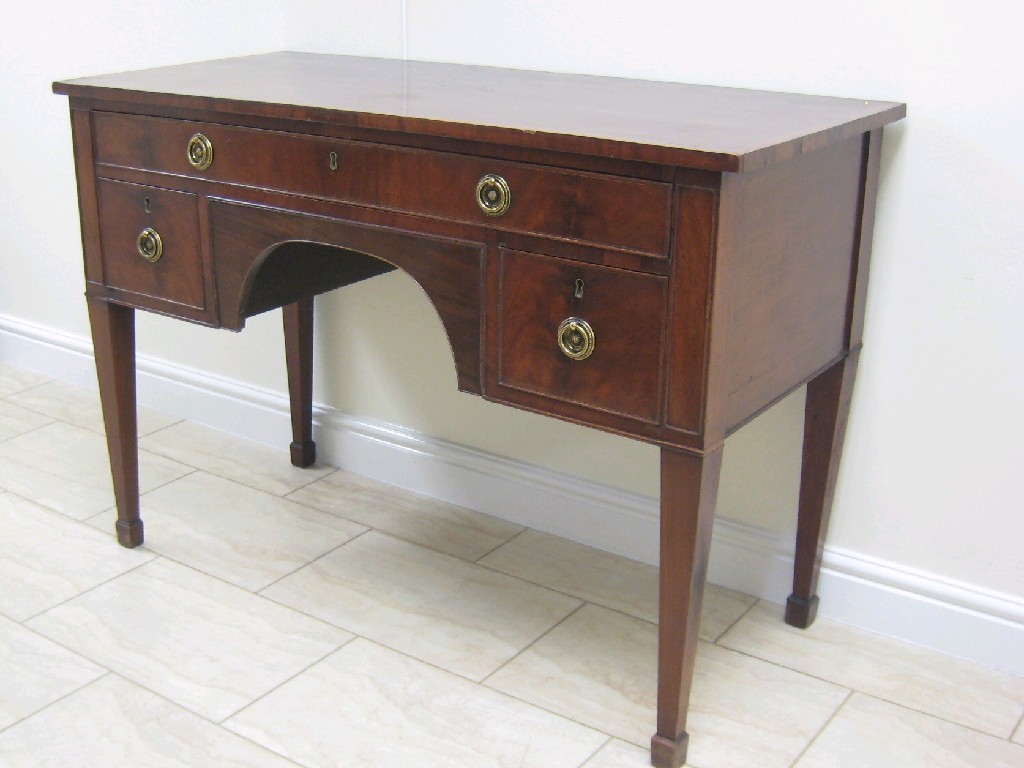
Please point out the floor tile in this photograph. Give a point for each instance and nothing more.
(235, 458)
(45, 558)
(15, 420)
(437, 608)
(589, 574)
(743, 712)
(918, 678)
(619, 754)
(200, 642)
(600, 577)
(35, 672)
(368, 707)
(868, 733)
(605, 665)
(66, 468)
(236, 533)
(747, 713)
(14, 379)
(116, 724)
(81, 407)
(445, 527)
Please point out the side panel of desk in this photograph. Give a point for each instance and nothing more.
(785, 268)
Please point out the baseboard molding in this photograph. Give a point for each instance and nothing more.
(884, 597)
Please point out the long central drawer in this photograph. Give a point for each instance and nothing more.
(591, 208)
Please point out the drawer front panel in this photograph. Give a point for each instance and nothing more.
(625, 310)
(591, 208)
(126, 212)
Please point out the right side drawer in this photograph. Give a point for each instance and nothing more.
(547, 309)
(150, 244)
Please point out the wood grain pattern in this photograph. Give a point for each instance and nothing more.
(690, 298)
(449, 271)
(825, 416)
(689, 490)
(113, 339)
(591, 208)
(719, 129)
(626, 311)
(177, 278)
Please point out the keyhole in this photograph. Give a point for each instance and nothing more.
(147, 206)
(578, 293)
(332, 161)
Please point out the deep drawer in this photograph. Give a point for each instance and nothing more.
(136, 218)
(624, 310)
(591, 208)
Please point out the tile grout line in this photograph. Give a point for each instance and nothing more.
(593, 754)
(222, 721)
(259, 592)
(739, 618)
(86, 591)
(158, 430)
(556, 590)
(34, 429)
(9, 395)
(532, 643)
(204, 718)
(855, 689)
(1019, 727)
(105, 672)
(491, 551)
(333, 471)
(481, 683)
(816, 736)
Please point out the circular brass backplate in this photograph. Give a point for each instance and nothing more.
(493, 195)
(576, 338)
(199, 152)
(150, 245)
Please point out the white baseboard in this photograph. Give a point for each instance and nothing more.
(884, 597)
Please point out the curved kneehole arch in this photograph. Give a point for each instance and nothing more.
(267, 258)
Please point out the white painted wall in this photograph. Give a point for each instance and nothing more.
(936, 440)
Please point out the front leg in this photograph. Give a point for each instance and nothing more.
(825, 416)
(298, 347)
(689, 489)
(113, 338)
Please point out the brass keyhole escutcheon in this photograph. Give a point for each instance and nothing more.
(576, 338)
(199, 152)
(493, 195)
(150, 245)
(578, 289)
(332, 161)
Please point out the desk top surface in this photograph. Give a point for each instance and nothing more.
(697, 126)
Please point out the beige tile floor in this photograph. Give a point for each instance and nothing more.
(278, 617)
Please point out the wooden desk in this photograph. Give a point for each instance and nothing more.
(658, 260)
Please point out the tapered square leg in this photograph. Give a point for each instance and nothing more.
(113, 338)
(298, 345)
(689, 490)
(825, 416)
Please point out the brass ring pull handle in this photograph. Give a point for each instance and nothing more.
(150, 245)
(199, 152)
(576, 338)
(493, 195)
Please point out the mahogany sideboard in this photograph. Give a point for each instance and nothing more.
(658, 260)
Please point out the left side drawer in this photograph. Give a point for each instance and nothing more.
(150, 245)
